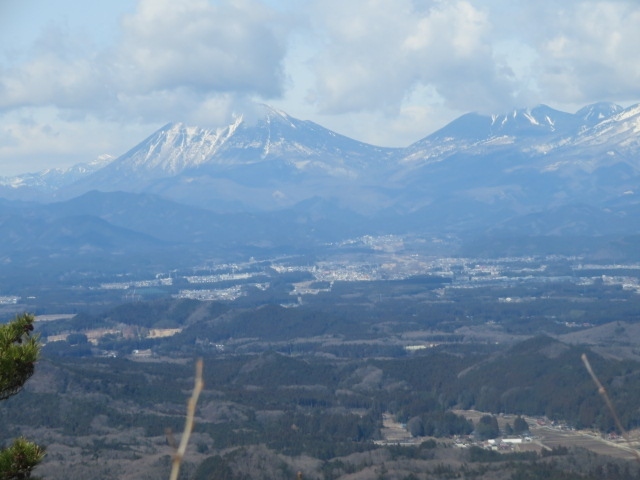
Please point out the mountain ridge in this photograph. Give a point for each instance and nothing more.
(536, 117)
(203, 143)
(477, 173)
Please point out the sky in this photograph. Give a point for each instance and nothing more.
(80, 80)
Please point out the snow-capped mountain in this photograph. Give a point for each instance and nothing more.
(174, 148)
(268, 162)
(274, 137)
(276, 182)
(523, 160)
(597, 112)
(537, 130)
(619, 132)
(55, 178)
(528, 160)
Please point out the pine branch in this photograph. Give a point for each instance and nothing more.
(19, 351)
(17, 461)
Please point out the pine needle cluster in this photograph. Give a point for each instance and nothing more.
(19, 351)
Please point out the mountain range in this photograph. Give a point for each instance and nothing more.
(277, 161)
(281, 182)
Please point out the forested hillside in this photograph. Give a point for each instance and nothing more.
(320, 386)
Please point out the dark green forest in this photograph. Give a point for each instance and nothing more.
(306, 388)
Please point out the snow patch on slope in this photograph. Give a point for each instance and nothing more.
(177, 147)
(54, 178)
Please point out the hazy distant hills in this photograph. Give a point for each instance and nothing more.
(277, 182)
(112, 232)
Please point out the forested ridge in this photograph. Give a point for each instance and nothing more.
(306, 388)
(318, 407)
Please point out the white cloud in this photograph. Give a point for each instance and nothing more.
(172, 56)
(589, 50)
(235, 46)
(384, 71)
(59, 71)
(378, 51)
(32, 140)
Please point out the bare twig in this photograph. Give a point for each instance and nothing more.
(188, 426)
(603, 391)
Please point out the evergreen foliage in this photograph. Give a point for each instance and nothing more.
(17, 461)
(520, 425)
(19, 351)
(487, 427)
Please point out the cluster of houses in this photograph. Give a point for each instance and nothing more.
(499, 444)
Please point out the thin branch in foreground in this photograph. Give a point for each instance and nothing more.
(188, 426)
(603, 391)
